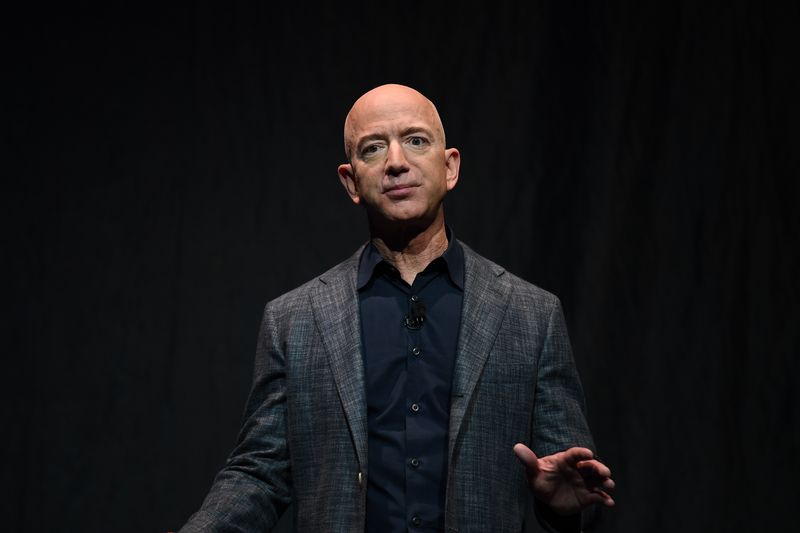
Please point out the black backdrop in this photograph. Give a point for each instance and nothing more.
(172, 170)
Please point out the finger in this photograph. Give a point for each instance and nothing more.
(592, 498)
(593, 467)
(602, 497)
(596, 495)
(526, 456)
(576, 454)
(599, 483)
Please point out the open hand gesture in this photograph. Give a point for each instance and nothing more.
(567, 481)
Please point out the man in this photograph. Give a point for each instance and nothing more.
(393, 392)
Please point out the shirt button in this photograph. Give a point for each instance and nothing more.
(415, 298)
(416, 351)
(415, 520)
(415, 407)
(414, 462)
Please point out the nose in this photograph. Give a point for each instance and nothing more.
(396, 162)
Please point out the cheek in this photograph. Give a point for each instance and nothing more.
(366, 182)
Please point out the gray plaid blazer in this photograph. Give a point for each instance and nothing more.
(304, 436)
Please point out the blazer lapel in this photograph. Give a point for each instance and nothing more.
(336, 312)
(486, 296)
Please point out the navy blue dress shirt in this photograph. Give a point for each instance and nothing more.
(408, 364)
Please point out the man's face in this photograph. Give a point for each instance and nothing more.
(399, 168)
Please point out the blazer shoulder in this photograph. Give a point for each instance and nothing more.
(341, 273)
(519, 287)
(528, 290)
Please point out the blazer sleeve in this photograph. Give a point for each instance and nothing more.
(559, 420)
(254, 487)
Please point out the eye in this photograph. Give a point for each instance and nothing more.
(370, 149)
(417, 141)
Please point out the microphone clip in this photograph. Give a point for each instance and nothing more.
(416, 318)
(413, 322)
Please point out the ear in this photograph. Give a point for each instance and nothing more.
(453, 164)
(348, 179)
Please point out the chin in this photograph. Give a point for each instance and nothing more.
(401, 215)
(404, 213)
(411, 219)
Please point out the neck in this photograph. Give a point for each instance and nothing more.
(410, 250)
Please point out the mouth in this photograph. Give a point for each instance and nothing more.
(399, 191)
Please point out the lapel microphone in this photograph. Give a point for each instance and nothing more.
(416, 317)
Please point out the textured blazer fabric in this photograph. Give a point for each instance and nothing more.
(304, 437)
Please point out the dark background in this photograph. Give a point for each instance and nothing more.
(172, 170)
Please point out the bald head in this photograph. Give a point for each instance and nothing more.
(384, 102)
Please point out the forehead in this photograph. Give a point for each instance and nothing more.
(400, 111)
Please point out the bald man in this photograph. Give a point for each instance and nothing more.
(417, 386)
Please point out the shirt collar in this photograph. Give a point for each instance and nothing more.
(453, 258)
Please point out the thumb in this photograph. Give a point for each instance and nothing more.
(527, 457)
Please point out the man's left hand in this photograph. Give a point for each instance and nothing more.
(567, 481)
